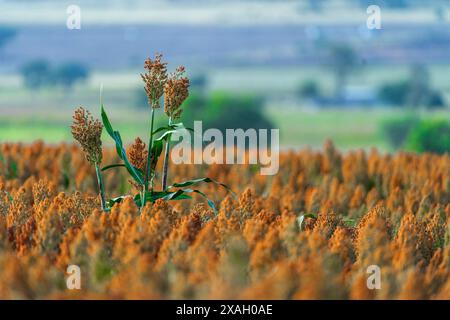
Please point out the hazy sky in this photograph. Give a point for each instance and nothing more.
(201, 12)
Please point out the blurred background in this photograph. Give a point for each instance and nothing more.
(311, 68)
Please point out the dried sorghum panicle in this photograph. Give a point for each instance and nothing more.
(181, 237)
(42, 190)
(87, 132)
(155, 79)
(137, 154)
(341, 243)
(176, 92)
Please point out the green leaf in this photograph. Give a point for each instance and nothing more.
(180, 195)
(116, 200)
(152, 196)
(135, 173)
(10, 167)
(200, 180)
(66, 180)
(137, 176)
(166, 135)
(349, 222)
(113, 166)
(12, 170)
(172, 128)
(160, 129)
(210, 202)
(156, 153)
(180, 125)
(106, 122)
(119, 144)
(174, 195)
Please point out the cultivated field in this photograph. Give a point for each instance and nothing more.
(88, 213)
(311, 231)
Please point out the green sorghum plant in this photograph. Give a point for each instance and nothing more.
(141, 161)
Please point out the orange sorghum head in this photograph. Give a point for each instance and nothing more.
(87, 132)
(137, 154)
(155, 79)
(176, 92)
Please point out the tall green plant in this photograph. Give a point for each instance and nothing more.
(141, 164)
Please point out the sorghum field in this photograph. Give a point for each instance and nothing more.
(309, 232)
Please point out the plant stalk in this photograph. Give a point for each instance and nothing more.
(148, 168)
(166, 160)
(143, 199)
(101, 186)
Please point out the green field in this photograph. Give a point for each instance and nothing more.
(349, 129)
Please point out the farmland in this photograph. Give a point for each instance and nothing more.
(97, 201)
(309, 232)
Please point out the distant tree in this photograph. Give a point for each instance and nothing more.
(309, 90)
(226, 111)
(198, 81)
(6, 34)
(414, 92)
(394, 93)
(397, 129)
(70, 73)
(343, 60)
(419, 86)
(37, 74)
(435, 100)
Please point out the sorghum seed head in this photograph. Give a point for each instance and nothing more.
(137, 154)
(87, 131)
(176, 92)
(155, 78)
